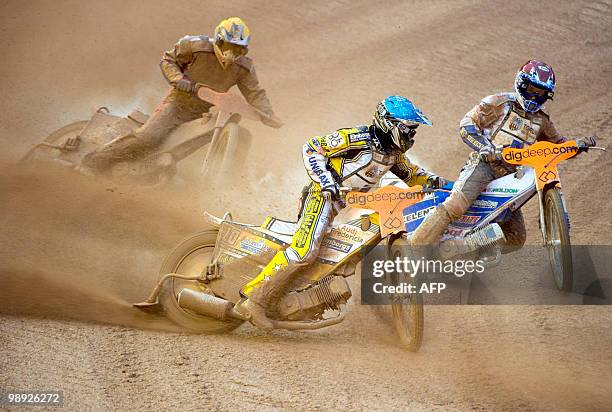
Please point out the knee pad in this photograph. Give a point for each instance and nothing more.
(456, 205)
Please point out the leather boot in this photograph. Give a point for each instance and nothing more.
(265, 291)
(256, 314)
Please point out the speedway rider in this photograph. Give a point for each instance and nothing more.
(513, 119)
(218, 63)
(353, 157)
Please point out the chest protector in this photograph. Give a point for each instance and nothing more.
(517, 130)
(362, 169)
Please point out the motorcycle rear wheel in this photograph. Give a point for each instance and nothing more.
(60, 135)
(408, 313)
(190, 257)
(558, 240)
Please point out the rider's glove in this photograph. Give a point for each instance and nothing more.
(272, 121)
(435, 182)
(331, 192)
(584, 143)
(490, 154)
(184, 85)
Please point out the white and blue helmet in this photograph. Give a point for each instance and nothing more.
(398, 117)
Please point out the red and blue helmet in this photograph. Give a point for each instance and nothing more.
(398, 117)
(534, 84)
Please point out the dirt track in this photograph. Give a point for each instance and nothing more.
(75, 253)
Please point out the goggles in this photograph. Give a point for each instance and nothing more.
(533, 92)
(235, 49)
(406, 130)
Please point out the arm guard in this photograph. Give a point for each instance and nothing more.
(473, 126)
(411, 173)
(252, 91)
(473, 138)
(175, 61)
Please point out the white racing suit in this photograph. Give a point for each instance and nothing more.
(350, 157)
(497, 121)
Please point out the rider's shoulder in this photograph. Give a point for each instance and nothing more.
(245, 62)
(196, 44)
(355, 136)
(499, 99)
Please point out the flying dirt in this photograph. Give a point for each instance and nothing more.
(76, 251)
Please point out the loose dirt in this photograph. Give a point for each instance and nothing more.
(76, 252)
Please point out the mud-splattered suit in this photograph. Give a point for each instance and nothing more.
(498, 120)
(194, 58)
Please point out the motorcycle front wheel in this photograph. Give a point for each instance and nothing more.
(191, 257)
(558, 240)
(407, 309)
(228, 154)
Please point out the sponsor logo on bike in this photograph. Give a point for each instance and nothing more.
(411, 217)
(543, 156)
(392, 223)
(519, 155)
(454, 232)
(503, 190)
(230, 235)
(337, 244)
(255, 247)
(349, 233)
(547, 176)
(362, 199)
(484, 204)
(469, 220)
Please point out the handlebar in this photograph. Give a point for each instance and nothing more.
(232, 103)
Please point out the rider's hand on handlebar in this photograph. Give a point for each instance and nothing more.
(272, 121)
(435, 182)
(184, 85)
(490, 154)
(584, 143)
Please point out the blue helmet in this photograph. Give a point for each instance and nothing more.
(398, 117)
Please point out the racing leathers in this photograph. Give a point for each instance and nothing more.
(351, 157)
(191, 61)
(497, 121)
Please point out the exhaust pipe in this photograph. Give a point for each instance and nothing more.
(205, 304)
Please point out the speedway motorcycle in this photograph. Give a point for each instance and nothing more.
(228, 142)
(478, 231)
(201, 279)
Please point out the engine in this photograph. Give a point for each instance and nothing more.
(310, 303)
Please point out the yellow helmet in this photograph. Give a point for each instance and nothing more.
(232, 38)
